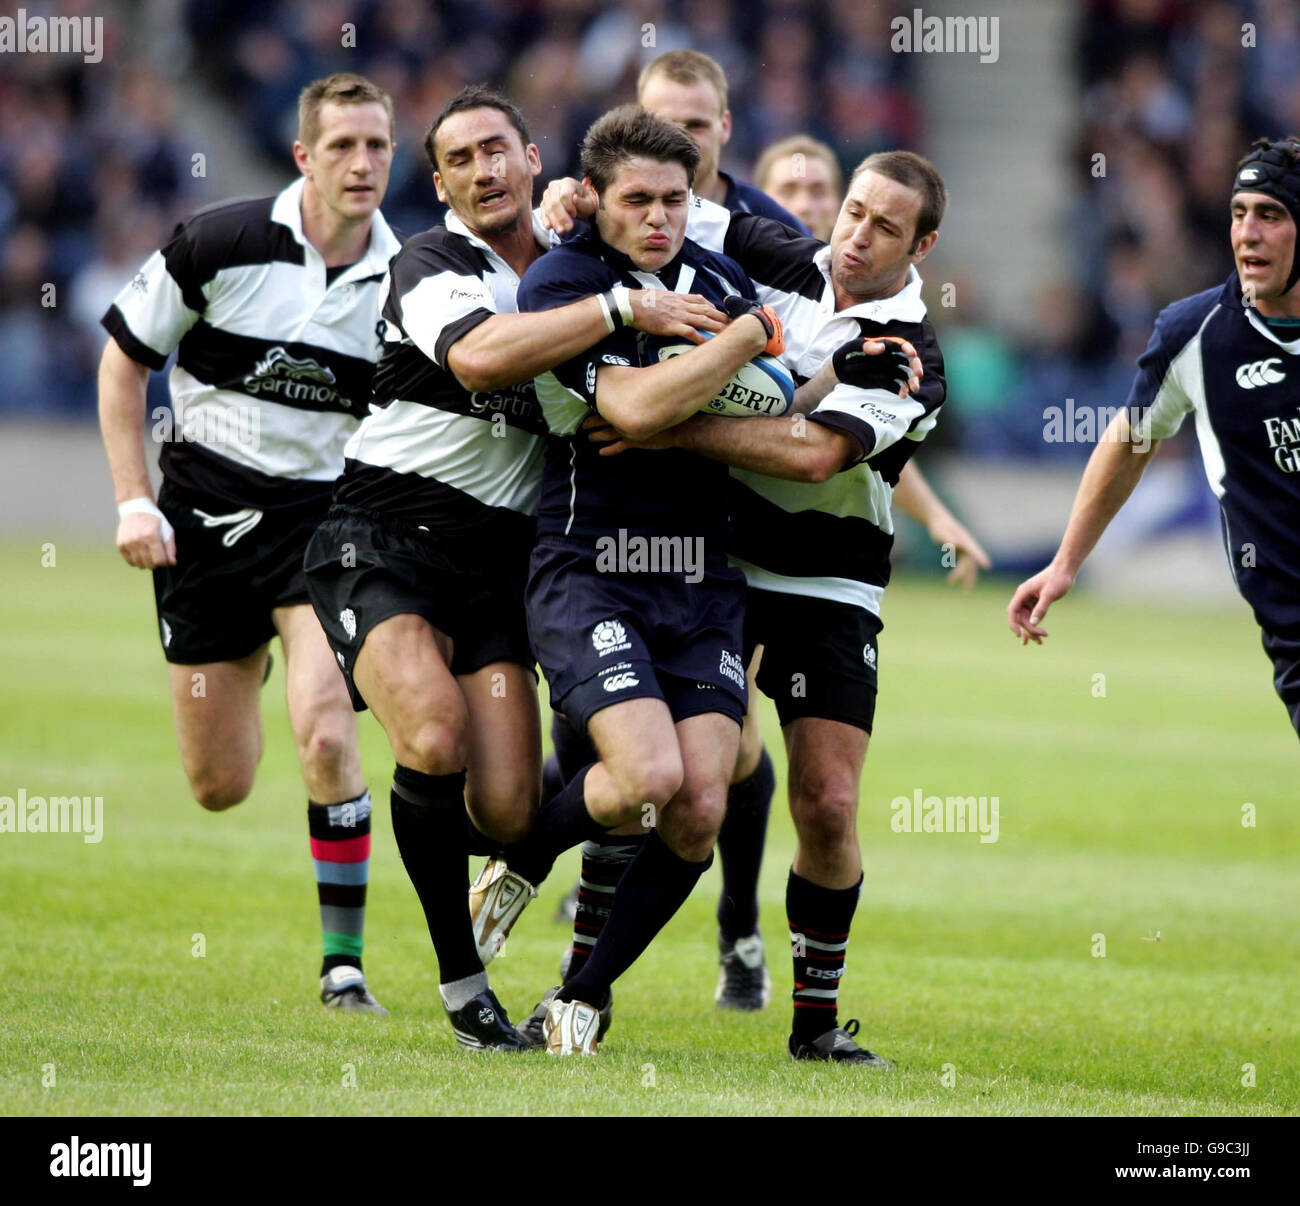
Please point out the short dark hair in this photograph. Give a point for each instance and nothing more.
(629, 132)
(913, 171)
(475, 96)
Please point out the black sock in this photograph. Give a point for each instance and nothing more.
(604, 859)
(562, 822)
(654, 886)
(820, 920)
(552, 779)
(429, 827)
(740, 846)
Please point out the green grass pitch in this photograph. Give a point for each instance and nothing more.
(972, 964)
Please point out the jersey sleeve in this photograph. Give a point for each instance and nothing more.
(436, 296)
(1158, 400)
(152, 313)
(559, 279)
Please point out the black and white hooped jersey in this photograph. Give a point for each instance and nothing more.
(430, 450)
(1212, 356)
(830, 540)
(274, 359)
(671, 493)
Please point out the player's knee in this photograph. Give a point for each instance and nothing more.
(824, 808)
(326, 750)
(651, 781)
(216, 790)
(698, 814)
(438, 746)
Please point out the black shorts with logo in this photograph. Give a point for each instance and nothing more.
(364, 568)
(819, 656)
(233, 566)
(602, 638)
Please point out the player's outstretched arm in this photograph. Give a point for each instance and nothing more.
(508, 348)
(1112, 473)
(915, 497)
(144, 537)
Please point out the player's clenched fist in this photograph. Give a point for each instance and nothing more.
(1033, 597)
(146, 540)
(564, 201)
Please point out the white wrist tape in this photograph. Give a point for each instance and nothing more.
(610, 324)
(146, 506)
(623, 296)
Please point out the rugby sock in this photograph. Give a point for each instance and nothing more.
(654, 886)
(820, 920)
(562, 822)
(429, 828)
(552, 779)
(340, 851)
(604, 859)
(740, 847)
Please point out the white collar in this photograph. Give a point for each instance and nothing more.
(287, 211)
(454, 223)
(1253, 317)
(904, 306)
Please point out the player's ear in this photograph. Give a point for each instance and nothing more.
(726, 126)
(923, 245)
(437, 186)
(302, 157)
(590, 190)
(534, 157)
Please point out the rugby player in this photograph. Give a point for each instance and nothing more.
(802, 174)
(272, 305)
(689, 89)
(812, 527)
(1231, 357)
(418, 571)
(647, 663)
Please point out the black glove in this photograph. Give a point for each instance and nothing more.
(737, 307)
(889, 370)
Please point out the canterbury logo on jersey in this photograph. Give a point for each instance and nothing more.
(618, 682)
(241, 523)
(1260, 372)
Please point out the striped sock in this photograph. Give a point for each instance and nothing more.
(604, 860)
(340, 849)
(820, 920)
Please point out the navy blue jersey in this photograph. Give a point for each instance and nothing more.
(654, 494)
(1212, 356)
(744, 198)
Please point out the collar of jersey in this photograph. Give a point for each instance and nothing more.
(454, 223)
(287, 211)
(904, 306)
(1232, 296)
(621, 262)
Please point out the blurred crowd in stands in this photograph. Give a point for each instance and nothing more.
(97, 160)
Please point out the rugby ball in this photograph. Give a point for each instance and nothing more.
(763, 388)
